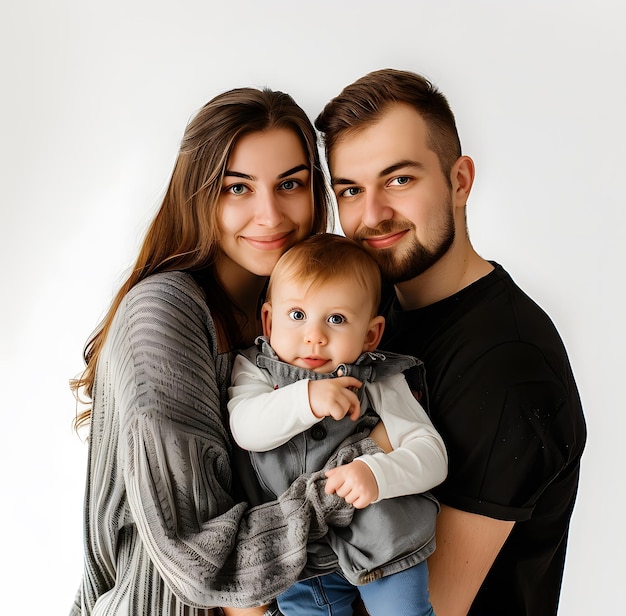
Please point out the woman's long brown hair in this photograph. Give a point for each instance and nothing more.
(183, 234)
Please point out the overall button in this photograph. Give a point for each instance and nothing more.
(318, 433)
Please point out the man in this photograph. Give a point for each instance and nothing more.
(501, 390)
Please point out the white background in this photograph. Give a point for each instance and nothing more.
(95, 96)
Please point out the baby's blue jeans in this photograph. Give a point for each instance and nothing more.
(401, 594)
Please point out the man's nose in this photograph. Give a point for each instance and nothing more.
(375, 209)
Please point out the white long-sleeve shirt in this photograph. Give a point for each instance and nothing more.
(263, 418)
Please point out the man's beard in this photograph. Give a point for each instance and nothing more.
(402, 264)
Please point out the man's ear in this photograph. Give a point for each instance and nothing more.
(462, 178)
(266, 319)
(374, 333)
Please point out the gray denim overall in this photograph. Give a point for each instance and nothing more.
(385, 537)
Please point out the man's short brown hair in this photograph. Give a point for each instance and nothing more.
(363, 102)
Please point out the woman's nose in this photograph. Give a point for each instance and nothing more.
(268, 212)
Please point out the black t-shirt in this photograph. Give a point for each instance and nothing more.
(503, 397)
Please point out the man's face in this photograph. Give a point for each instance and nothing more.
(392, 195)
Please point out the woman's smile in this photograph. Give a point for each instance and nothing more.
(275, 241)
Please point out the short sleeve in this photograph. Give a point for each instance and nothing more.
(516, 442)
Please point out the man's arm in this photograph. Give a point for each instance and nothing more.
(467, 545)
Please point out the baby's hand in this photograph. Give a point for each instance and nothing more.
(354, 482)
(334, 398)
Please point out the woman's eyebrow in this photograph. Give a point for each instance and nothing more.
(294, 170)
(247, 176)
(238, 174)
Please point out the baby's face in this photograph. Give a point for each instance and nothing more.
(321, 327)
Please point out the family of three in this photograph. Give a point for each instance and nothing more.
(385, 425)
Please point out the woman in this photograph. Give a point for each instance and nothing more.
(166, 530)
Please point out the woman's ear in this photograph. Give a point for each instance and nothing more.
(266, 319)
(374, 333)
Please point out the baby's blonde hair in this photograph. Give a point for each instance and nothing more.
(326, 257)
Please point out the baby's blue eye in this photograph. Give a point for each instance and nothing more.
(336, 319)
(297, 315)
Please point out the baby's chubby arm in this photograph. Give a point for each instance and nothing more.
(419, 460)
(356, 482)
(262, 417)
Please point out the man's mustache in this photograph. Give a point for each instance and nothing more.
(384, 228)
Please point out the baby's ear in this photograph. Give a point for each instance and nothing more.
(374, 333)
(266, 319)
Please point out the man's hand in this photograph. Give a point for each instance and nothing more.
(354, 482)
(334, 398)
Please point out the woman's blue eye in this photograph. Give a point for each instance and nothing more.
(336, 319)
(238, 189)
(289, 185)
(297, 315)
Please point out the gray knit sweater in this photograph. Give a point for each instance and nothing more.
(162, 533)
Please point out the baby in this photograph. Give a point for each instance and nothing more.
(316, 379)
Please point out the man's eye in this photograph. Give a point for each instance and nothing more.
(237, 189)
(353, 191)
(401, 180)
(336, 319)
(297, 315)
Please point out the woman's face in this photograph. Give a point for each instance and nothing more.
(266, 202)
